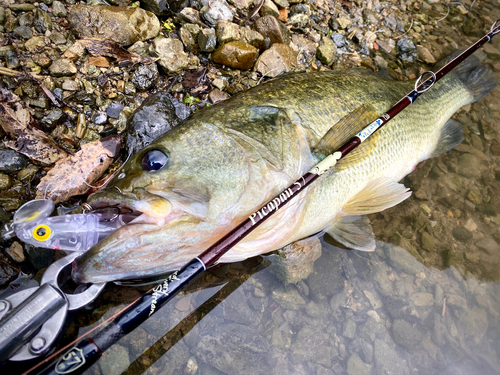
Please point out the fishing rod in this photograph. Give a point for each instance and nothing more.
(88, 350)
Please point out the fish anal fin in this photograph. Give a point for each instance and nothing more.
(354, 232)
(346, 128)
(377, 195)
(451, 135)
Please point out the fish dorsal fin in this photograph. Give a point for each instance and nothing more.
(377, 195)
(451, 135)
(355, 232)
(347, 127)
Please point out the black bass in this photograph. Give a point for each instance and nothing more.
(205, 176)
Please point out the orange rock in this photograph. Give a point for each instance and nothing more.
(99, 61)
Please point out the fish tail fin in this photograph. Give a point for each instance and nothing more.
(476, 77)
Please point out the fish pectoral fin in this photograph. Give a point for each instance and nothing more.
(377, 195)
(355, 232)
(346, 128)
(451, 135)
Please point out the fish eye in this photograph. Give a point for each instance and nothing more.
(154, 160)
(41, 232)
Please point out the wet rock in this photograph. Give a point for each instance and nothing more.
(157, 114)
(11, 161)
(253, 38)
(16, 252)
(278, 59)
(387, 361)
(42, 61)
(311, 344)
(270, 27)
(145, 76)
(58, 9)
(399, 307)
(489, 246)
(227, 32)
(5, 181)
(475, 324)
(124, 25)
(295, 261)
(422, 299)
(390, 21)
(461, 234)
(362, 348)
(469, 166)
(339, 40)
(474, 196)
(327, 279)
(216, 96)
(99, 117)
(25, 7)
(407, 52)
(326, 50)
(356, 366)
(35, 44)
(403, 260)
(349, 329)
(299, 21)
(26, 174)
(234, 349)
(114, 109)
(189, 35)
(424, 55)
(171, 54)
(42, 21)
(236, 55)
(190, 15)
(23, 32)
(473, 26)
(343, 22)
(410, 335)
(207, 41)
(162, 7)
(456, 304)
(216, 11)
(427, 242)
(289, 298)
(115, 360)
(8, 270)
(62, 67)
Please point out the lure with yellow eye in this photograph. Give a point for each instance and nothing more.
(41, 232)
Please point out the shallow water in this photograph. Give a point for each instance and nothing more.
(427, 301)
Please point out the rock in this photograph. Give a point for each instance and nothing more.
(216, 96)
(171, 54)
(270, 27)
(278, 59)
(269, 9)
(472, 26)
(12, 161)
(236, 55)
(310, 345)
(474, 196)
(39, 257)
(114, 109)
(469, 166)
(326, 50)
(374, 301)
(16, 252)
(189, 35)
(407, 52)
(115, 360)
(163, 7)
(299, 21)
(387, 361)
(190, 15)
(234, 349)
(42, 21)
(403, 260)
(157, 114)
(62, 67)
(295, 261)
(422, 299)
(456, 304)
(327, 279)
(35, 44)
(349, 329)
(399, 307)
(99, 117)
(42, 61)
(461, 234)
(58, 9)
(409, 335)
(5, 181)
(207, 41)
(145, 76)
(23, 32)
(25, 175)
(424, 55)
(343, 22)
(216, 11)
(355, 366)
(124, 25)
(362, 348)
(25, 7)
(253, 38)
(289, 298)
(427, 242)
(489, 246)
(227, 32)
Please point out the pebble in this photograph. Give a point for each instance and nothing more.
(489, 246)
(35, 44)
(349, 329)
(115, 360)
(216, 11)
(326, 50)
(356, 366)
(16, 252)
(53, 118)
(269, 9)
(25, 175)
(62, 67)
(270, 27)
(227, 32)
(236, 55)
(171, 54)
(424, 55)
(216, 96)
(207, 40)
(58, 9)
(5, 181)
(461, 234)
(145, 76)
(12, 161)
(114, 109)
(278, 59)
(422, 299)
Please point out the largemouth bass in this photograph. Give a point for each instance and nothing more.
(203, 177)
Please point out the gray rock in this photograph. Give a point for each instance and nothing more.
(410, 335)
(311, 345)
(216, 11)
(349, 329)
(189, 35)
(157, 114)
(42, 21)
(53, 118)
(362, 348)
(356, 366)
(339, 40)
(387, 361)
(422, 299)
(270, 27)
(289, 298)
(234, 349)
(398, 307)
(99, 117)
(163, 7)
(11, 161)
(124, 25)
(461, 234)
(207, 41)
(299, 21)
(145, 76)
(190, 15)
(23, 32)
(489, 246)
(390, 21)
(171, 54)
(114, 109)
(62, 67)
(403, 260)
(327, 279)
(407, 52)
(58, 9)
(115, 360)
